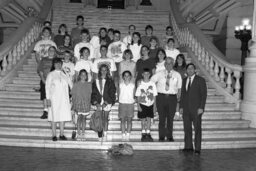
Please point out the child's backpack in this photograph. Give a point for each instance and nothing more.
(96, 121)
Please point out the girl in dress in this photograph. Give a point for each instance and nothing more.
(127, 64)
(126, 104)
(84, 63)
(135, 46)
(103, 96)
(81, 100)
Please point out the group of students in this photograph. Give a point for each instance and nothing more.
(96, 72)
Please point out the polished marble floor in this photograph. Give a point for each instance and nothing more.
(16, 158)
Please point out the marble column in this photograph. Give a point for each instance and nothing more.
(248, 105)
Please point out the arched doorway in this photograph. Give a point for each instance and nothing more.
(117, 4)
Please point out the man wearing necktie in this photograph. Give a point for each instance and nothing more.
(168, 84)
(192, 103)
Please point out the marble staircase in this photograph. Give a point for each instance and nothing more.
(117, 19)
(20, 107)
(20, 125)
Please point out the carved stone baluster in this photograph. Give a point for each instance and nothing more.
(18, 51)
(9, 60)
(211, 66)
(22, 46)
(237, 75)
(32, 36)
(193, 44)
(199, 52)
(229, 81)
(222, 77)
(203, 58)
(207, 60)
(4, 65)
(216, 71)
(29, 38)
(196, 47)
(189, 40)
(14, 54)
(26, 42)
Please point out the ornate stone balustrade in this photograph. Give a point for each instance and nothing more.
(225, 77)
(14, 51)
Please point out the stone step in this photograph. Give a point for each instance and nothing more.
(38, 104)
(135, 134)
(115, 125)
(5, 95)
(46, 142)
(208, 115)
(18, 87)
(19, 95)
(30, 81)
(28, 111)
(22, 74)
(28, 72)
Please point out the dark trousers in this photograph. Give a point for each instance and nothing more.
(166, 107)
(188, 119)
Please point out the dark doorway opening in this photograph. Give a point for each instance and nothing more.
(117, 4)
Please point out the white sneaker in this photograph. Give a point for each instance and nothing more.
(100, 139)
(128, 136)
(123, 137)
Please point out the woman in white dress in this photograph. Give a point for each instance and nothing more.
(57, 94)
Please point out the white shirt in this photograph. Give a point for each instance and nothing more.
(115, 51)
(126, 93)
(84, 64)
(127, 40)
(172, 53)
(175, 82)
(69, 69)
(108, 107)
(160, 66)
(95, 41)
(146, 91)
(42, 46)
(187, 81)
(81, 45)
(107, 61)
(135, 48)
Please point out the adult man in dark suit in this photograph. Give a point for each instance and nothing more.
(192, 103)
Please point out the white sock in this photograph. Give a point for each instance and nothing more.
(143, 131)
(148, 131)
(46, 109)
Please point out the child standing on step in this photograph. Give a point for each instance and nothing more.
(84, 63)
(126, 104)
(81, 100)
(146, 94)
(44, 68)
(68, 67)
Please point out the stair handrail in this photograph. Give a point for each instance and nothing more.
(224, 76)
(19, 45)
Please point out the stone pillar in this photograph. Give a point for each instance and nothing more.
(248, 106)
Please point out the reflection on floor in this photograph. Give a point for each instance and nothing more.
(14, 158)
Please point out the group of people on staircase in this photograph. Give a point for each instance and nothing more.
(80, 73)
